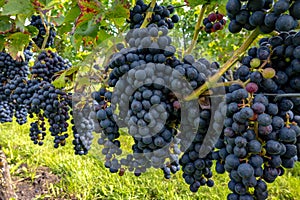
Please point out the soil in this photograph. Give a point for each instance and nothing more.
(39, 187)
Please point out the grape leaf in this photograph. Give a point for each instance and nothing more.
(2, 2)
(117, 11)
(58, 21)
(88, 9)
(72, 14)
(49, 3)
(6, 24)
(87, 29)
(72, 70)
(194, 3)
(32, 30)
(17, 43)
(14, 7)
(21, 20)
(102, 35)
(60, 82)
(2, 39)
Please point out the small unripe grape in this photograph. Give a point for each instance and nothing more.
(268, 73)
(255, 63)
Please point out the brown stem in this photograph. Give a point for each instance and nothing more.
(212, 80)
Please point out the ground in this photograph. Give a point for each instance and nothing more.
(40, 187)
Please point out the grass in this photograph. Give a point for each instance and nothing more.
(85, 177)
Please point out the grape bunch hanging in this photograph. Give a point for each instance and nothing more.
(268, 15)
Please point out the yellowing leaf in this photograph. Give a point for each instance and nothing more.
(17, 43)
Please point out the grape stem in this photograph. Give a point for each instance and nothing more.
(46, 28)
(149, 14)
(212, 80)
(197, 28)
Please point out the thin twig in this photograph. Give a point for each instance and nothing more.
(47, 30)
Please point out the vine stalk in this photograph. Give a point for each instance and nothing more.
(46, 28)
(212, 80)
(149, 14)
(197, 28)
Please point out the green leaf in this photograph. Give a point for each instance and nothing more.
(50, 3)
(2, 2)
(17, 43)
(32, 30)
(2, 39)
(58, 20)
(72, 70)
(72, 14)
(6, 24)
(194, 3)
(102, 35)
(87, 29)
(14, 7)
(21, 20)
(76, 41)
(60, 82)
(117, 11)
(119, 21)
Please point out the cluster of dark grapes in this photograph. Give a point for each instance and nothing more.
(39, 98)
(37, 21)
(37, 131)
(12, 73)
(261, 127)
(47, 64)
(83, 128)
(214, 22)
(161, 15)
(197, 170)
(268, 15)
(6, 112)
(147, 79)
(36, 97)
(11, 68)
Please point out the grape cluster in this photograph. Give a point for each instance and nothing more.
(261, 134)
(197, 170)
(13, 75)
(161, 15)
(268, 15)
(258, 141)
(37, 131)
(6, 112)
(147, 79)
(47, 64)
(52, 104)
(33, 97)
(37, 21)
(82, 128)
(214, 22)
(11, 68)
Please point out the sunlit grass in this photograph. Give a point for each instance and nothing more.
(85, 177)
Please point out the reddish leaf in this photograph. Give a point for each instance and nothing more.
(88, 9)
